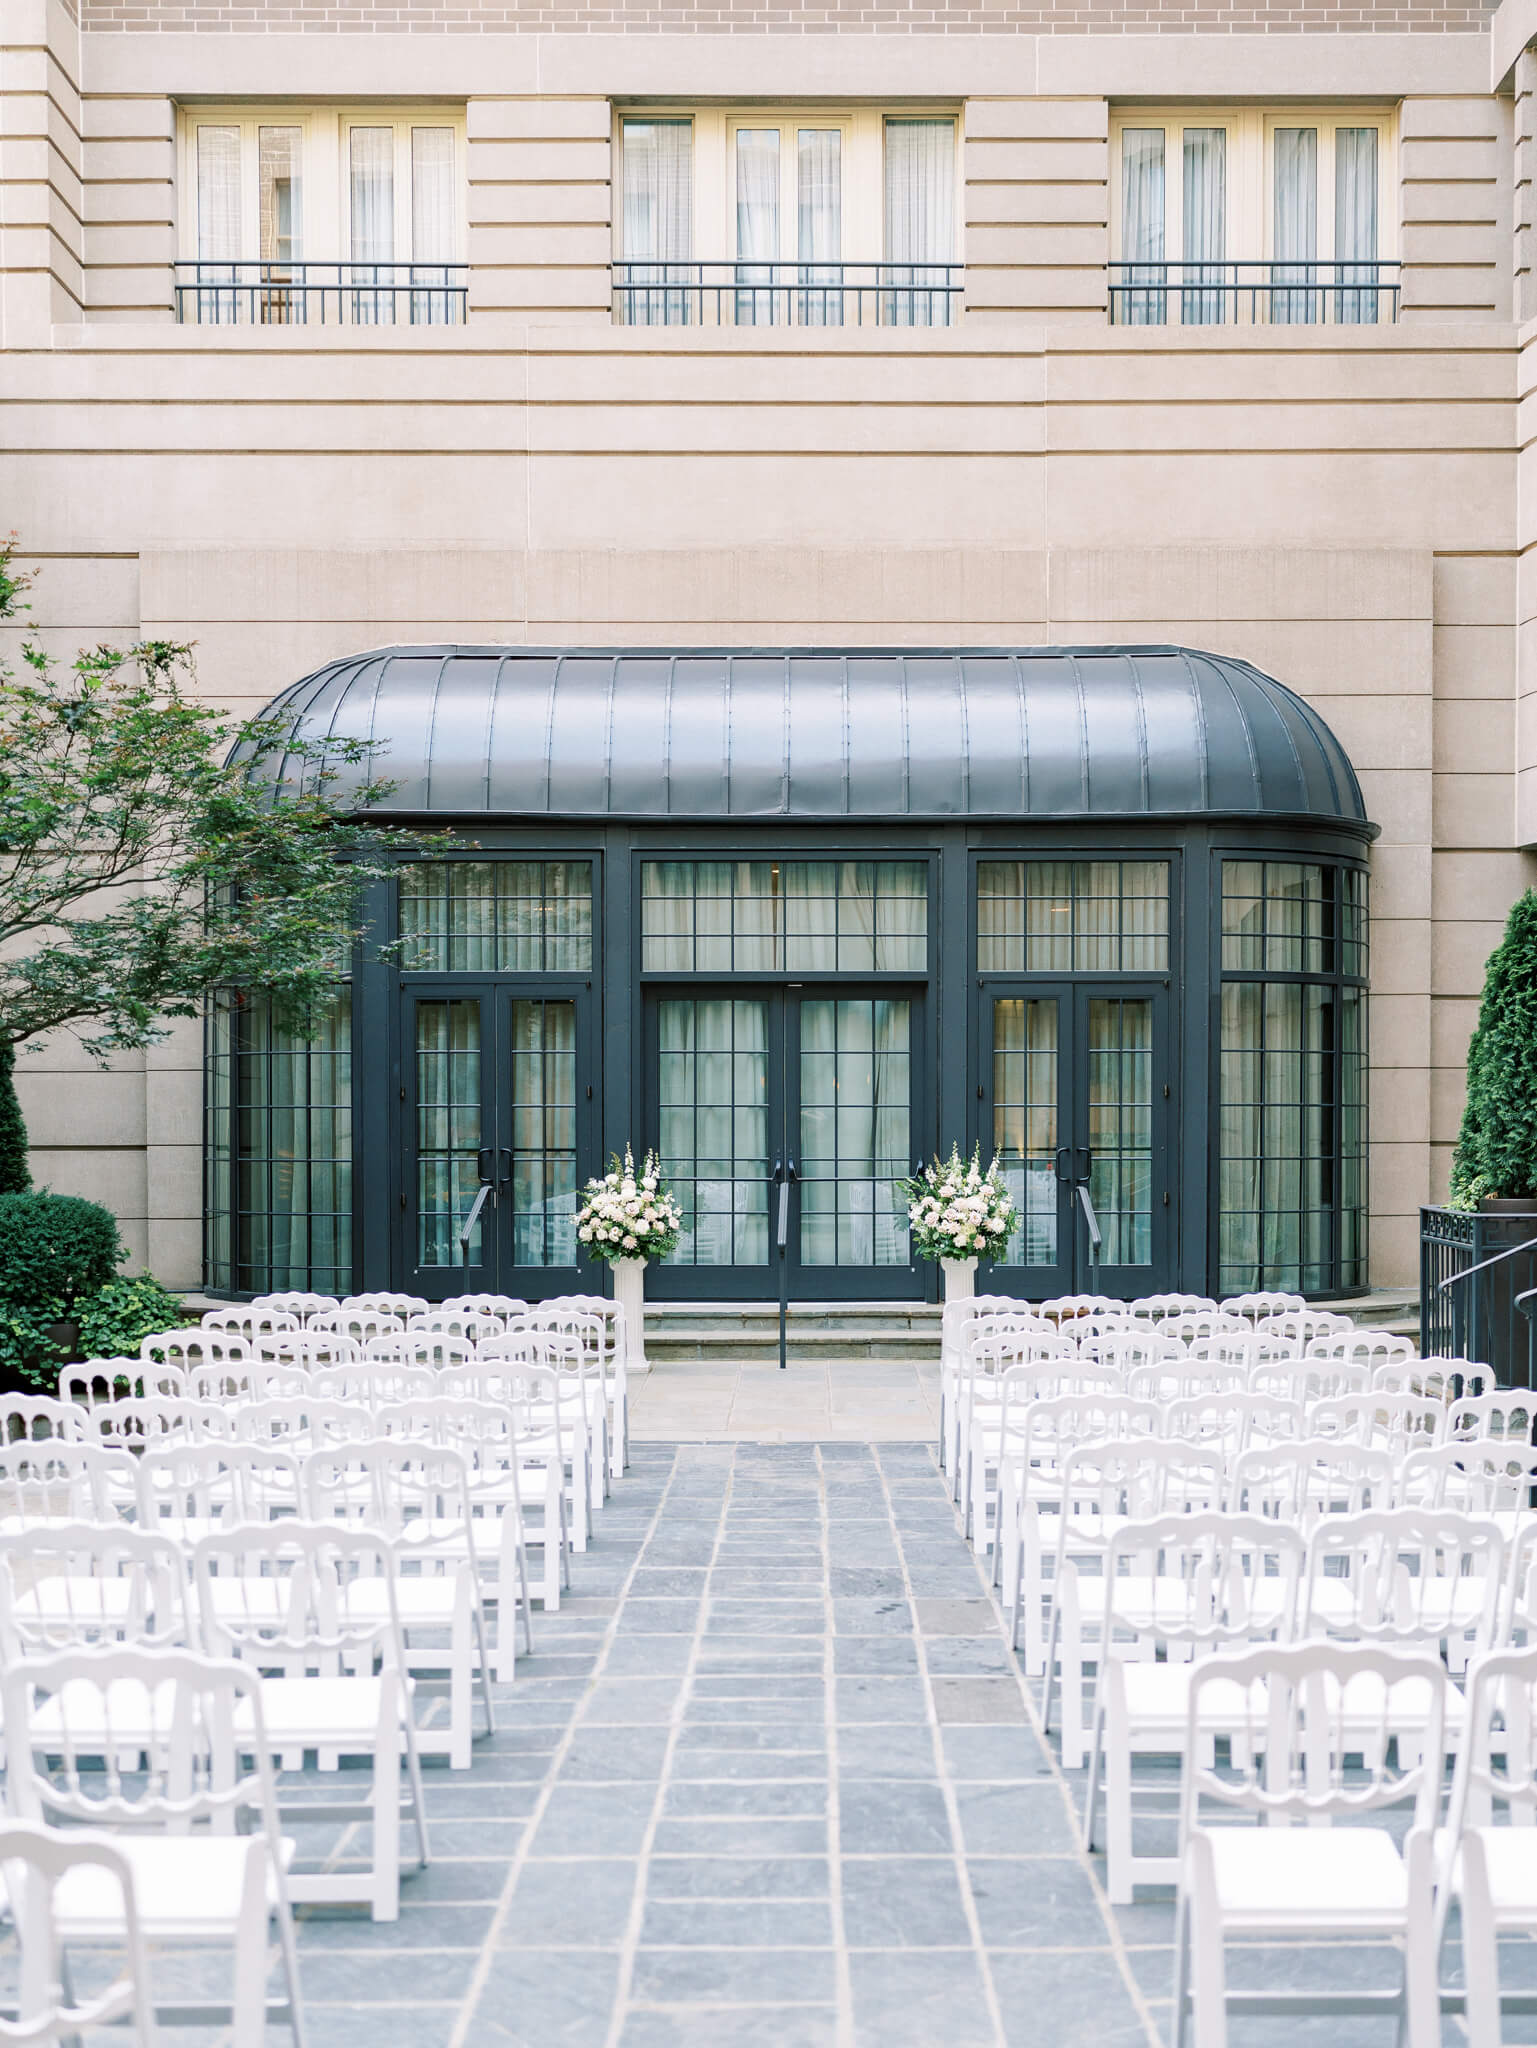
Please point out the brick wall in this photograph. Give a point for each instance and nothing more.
(791, 17)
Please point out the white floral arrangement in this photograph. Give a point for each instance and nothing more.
(958, 1211)
(630, 1213)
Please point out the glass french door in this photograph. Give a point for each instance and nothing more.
(811, 1090)
(1074, 1097)
(495, 1100)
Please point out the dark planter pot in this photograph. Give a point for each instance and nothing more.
(1507, 1331)
(65, 1339)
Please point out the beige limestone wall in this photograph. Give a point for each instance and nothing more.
(1037, 200)
(129, 160)
(41, 205)
(1456, 171)
(541, 208)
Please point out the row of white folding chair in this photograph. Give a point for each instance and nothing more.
(1177, 1588)
(186, 1851)
(414, 1494)
(312, 1608)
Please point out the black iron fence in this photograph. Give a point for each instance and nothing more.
(730, 293)
(1258, 292)
(1475, 1270)
(261, 294)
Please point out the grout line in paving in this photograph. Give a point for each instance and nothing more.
(630, 1941)
(844, 1975)
(942, 1770)
(466, 2013)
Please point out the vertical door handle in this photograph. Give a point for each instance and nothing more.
(505, 1152)
(1062, 1153)
(483, 1172)
(1088, 1164)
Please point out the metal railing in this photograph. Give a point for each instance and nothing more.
(263, 294)
(732, 293)
(1263, 292)
(1478, 1291)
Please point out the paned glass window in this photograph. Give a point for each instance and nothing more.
(714, 1076)
(1072, 916)
(1292, 1097)
(448, 1130)
(279, 1111)
(855, 1130)
(544, 1133)
(798, 917)
(496, 917)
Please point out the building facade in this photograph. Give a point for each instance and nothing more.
(943, 565)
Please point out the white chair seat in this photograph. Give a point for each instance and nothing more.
(1510, 1856)
(318, 1713)
(1366, 1697)
(126, 1713)
(1271, 1877)
(64, 1597)
(188, 1888)
(1158, 1698)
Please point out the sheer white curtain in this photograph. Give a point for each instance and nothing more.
(757, 224)
(819, 224)
(1205, 225)
(1294, 245)
(218, 218)
(1355, 224)
(432, 224)
(371, 173)
(657, 165)
(920, 221)
(1142, 228)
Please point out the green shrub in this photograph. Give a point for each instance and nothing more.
(114, 1322)
(54, 1249)
(15, 1173)
(1497, 1146)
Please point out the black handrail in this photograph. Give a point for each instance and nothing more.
(732, 291)
(1467, 1272)
(252, 291)
(1345, 291)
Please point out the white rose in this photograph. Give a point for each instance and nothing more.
(642, 1227)
(585, 1235)
(629, 1244)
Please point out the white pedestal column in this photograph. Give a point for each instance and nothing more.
(630, 1293)
(960, 1278)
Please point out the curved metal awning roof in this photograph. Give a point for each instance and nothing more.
(877, 734)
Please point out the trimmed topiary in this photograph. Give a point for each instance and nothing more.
(15, 1173)
(55, 1249)
(1497, 1145)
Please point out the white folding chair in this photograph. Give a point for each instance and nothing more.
(297, 1302)
(73, 1586)
(401, 1305)
(575, 1342)
(95, 1382)
(1067, 1308)
(1308, 1379)
(1104, 1486)
(36, 1417)
(1300, 1326)
(193, 1346)
(250, 1379)
(1199, 1326)
(44, 1874)
(524, 1369)
(1155, 1307)
(612, 1360)
(141, 1422)
(474, 1324)
(1371, 1348)
(997, 1408)
(486, 1304)
(357, 1323)
(1341, 1871)
(189, 1491)
(415, 1493)
(302, 1422)
(251, 1320)
(1483, 1477)
(988, 1353)
(54, 1480)
(953, 1318)
(1174, 1380)
(1231, 1423)
(1300, 1481)
(1439, 1379)
(285, 1601)
(175, 1816)
(373, 1383)
(1257, 1306)
(1185, 1586)
(1505, 1415)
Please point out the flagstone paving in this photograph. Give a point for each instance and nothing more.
(772, 1779)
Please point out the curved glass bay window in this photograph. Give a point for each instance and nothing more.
(1292, 1064)
(799, 918)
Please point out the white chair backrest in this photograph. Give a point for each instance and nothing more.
(320, 1619)
(1254, 1307)
(307, 1349)
(1494, 1780)
(250, 1321)
(58, 1481)
(401, 1305)
(1300, 1326)
(1066, 1307)
(1308, 1379)
(297, 1302)
(1045, 1429)
(1293, 1711)
(195, 1486)
(1371, 1348)
(36, 1416)
(1299, 1482)
(255, 1379)
(1408, 1578)
(1227, 1347)
(475, 1324)
(301, 1423)
(91, 1381)
(194, 1346)
(1173, 1379)
(74, 1585)
(1155, 1307)
(394, 1486)
(1482, 1477)
(1504, 1416)
(136, 1423)
(429, 1349)
(34, 1862)
(1443, 1379)
(373, 1383)
(1196, 1325)
(1230, 1421)
(358, 1323)
(143, 1739)
(487, 1304)
(1121, 1477)
(1127, 1347)
(1223, 1581)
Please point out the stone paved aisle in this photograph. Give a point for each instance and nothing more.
(770, 1780)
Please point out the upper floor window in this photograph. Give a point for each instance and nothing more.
(764, 219)
(1278, 217)
(322, 215)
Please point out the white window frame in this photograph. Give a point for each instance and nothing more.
(1251, 172)
(326, 209)
(714, 171)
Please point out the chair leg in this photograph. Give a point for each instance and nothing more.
(248, 2019)
(384, 1802)
(290, 1951)
(482, 1644)
(1210, 1983)
(1181, 1969)
(1116, 1736)
(1480, 1947)
(460, 1686)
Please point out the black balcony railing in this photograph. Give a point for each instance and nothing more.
(262, 294)
(730, 293)
(1269, 293)
(1478, 1290)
